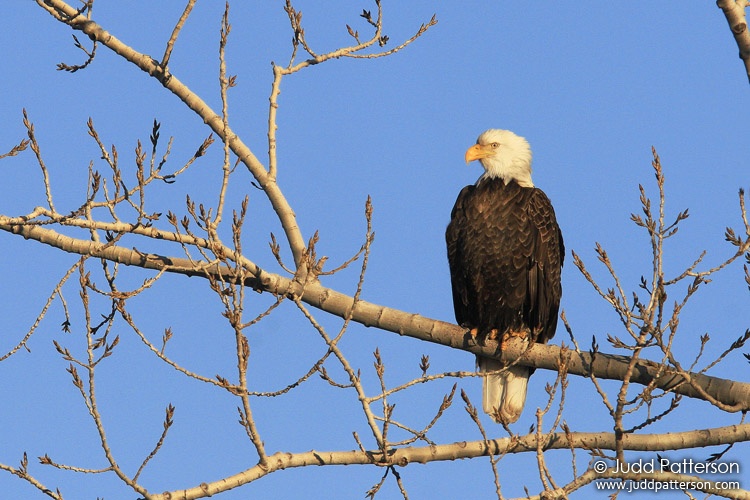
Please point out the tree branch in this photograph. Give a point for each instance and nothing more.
(736, 395)
(70, 16)
(460, 450)
(734, 11)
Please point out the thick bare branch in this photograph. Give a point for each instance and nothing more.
(734, 11)
(472, 449)
(606, 366)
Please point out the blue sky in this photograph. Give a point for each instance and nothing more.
(591, 85)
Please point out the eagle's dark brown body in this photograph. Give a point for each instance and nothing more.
(505, 252)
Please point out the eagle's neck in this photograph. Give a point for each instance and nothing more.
(509, 168)
(521, 180)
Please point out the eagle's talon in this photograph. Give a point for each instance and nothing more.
(510, 334)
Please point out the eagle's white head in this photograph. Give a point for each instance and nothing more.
(503, 155)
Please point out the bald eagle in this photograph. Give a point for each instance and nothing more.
(505, 252)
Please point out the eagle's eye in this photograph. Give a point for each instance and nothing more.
(495, 145)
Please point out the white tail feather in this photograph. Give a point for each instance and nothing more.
(503, 394)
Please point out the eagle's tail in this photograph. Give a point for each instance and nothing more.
(503, 394)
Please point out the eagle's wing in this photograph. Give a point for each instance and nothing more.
(458, 274)
(544, 290)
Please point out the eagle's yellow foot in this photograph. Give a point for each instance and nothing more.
(492, 335)
(474, 332)
(509, 334)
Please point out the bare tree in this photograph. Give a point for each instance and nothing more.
(126, 247)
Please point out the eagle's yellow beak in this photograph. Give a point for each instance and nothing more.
(477, 152)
